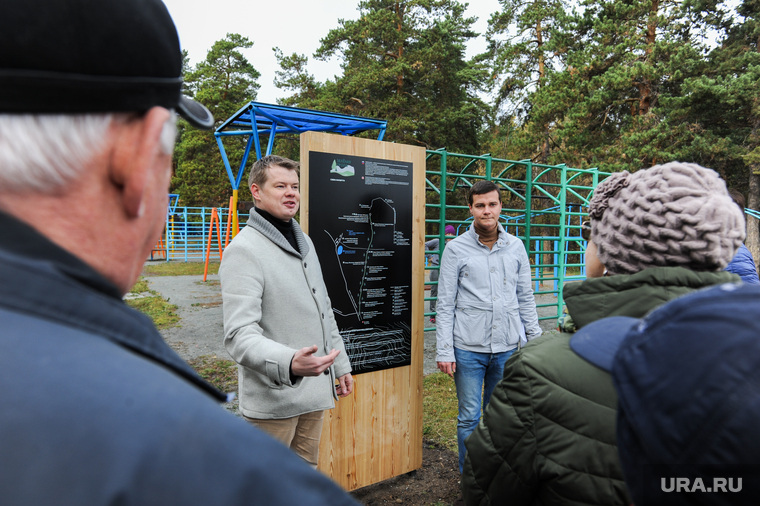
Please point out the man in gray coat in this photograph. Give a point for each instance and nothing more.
(278, 320)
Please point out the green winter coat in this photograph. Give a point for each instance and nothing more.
(548, 433)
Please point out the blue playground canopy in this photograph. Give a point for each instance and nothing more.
(256, 119)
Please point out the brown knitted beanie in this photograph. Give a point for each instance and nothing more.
(677, 214)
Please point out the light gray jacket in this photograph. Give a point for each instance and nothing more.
(485, 297)
(275, 302)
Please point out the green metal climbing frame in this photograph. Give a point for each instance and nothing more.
(543, 205)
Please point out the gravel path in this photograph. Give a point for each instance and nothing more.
(201, 328)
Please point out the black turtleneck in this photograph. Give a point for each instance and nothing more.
(284, 227)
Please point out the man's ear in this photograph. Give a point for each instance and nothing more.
(137, 144)
(255, 192)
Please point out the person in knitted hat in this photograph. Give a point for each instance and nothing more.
(548, 434)
(677, 214)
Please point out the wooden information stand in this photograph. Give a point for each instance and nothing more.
(376, 433)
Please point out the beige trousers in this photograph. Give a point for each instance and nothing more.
(300, 433)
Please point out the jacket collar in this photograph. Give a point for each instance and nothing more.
(41, 279)
(21, 239)
(257, 222)
(636, 294)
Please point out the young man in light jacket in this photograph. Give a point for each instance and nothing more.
(278, 320)
(485, 307)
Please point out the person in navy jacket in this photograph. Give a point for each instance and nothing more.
(743, 264)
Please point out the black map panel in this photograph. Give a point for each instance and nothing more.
(360, 220)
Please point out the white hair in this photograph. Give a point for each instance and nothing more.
(45, 152)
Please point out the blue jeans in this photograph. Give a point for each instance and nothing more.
(476, 374)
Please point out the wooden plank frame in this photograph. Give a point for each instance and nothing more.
(376, 433)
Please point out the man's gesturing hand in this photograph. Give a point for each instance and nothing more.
(304, 362)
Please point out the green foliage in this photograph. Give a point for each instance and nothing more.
(720, 104)
(402, 61)
(153, 305)
(521, 50)
(525, 46)
(589, 88)
(224, 82)
(158, 309)
(624, 59)
(179, 268)
(613, 84)
(141, 286)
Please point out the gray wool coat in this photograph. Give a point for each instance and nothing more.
(275, 302)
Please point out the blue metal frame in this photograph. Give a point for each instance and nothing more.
(173, 201)
(256, 119)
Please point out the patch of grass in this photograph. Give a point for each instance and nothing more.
(439, 410)
(219, 372)
(179, 268)
(141, 286)
(206, 305)
(159, 310)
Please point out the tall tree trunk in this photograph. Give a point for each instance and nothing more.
(545, 149)
(399, 8)
(753, 195)
(540, 51)
(753, 202)
(645, 86)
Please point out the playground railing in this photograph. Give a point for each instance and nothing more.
(186, 235)
(542, 205)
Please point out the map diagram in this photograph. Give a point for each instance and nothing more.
(361, 231)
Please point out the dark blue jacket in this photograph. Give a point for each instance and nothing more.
(97, 409)
(744, 265)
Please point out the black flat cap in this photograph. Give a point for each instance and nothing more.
(91, 56)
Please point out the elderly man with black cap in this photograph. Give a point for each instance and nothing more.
(548, 435)
(96, 408)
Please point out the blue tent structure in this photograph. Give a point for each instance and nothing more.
(257, 119)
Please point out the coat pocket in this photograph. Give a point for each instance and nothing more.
(471, 325)
(273, 373)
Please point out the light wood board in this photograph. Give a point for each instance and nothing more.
(376, 433)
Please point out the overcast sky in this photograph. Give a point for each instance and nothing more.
(295, 26)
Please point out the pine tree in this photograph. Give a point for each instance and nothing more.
(521, 54)
(402, 61)
(224, 82)
(622, 58)
(721, 105)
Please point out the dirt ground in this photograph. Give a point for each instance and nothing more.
(436, 482)
(200, 332)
